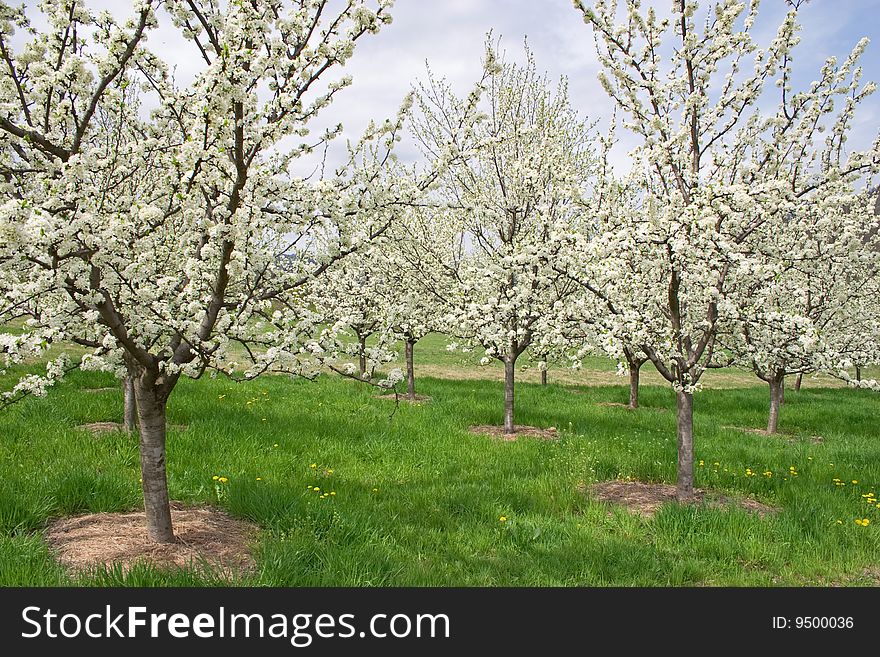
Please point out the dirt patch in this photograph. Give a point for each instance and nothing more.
(521, 431)
(99, 389)
(206, 536)
(646, 499)
(629, 408)
(790, 437)
(418, 399)
(99, 428)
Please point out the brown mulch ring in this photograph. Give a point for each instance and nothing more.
(790, 437)
(646, 499)
(98, 428)
(100, 389)
(206, 536)
(521, 431)
(418, 399)
(629, 408)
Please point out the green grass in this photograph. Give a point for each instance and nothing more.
(419, 499)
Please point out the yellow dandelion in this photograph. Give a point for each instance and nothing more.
(502, 518)
(333, 492)
(316, 489)
(223, 480)
(313, 465)
(275, 445)
(220, 396)
(215, 477)
(375, 490)
(855, 481)
(259, 479)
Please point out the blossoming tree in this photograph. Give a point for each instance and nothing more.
(173, 273)
(716, 172)
(803, 316)
(514, 204)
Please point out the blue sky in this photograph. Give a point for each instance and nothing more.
(450, 35)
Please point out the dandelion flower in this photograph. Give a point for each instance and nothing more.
(215, 477)
(222, 480)
(502, 519)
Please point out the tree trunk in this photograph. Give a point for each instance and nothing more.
(685, 434)
(858, 373)
(509, 375)
(410, 369)
(777, 388)
(544, 376)
(634, 369)
(362, 355)
(151, 406)
(797, 382)
(130, 404)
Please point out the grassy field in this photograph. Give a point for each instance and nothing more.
(419, 500)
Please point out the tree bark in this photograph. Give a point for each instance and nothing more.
(797, 382)
(685, 434)
(130, 404)
(634, 369)
(777, 388)
(151, 406)
(544, 376)
(858, 373)
(362, 354)
(509, 375)
(410, 369)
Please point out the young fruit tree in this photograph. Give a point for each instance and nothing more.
(513, 204)
(409, 310)
(803, 316)
(168, 276)
(717, 173)
(345, 303)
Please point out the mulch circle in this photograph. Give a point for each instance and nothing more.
(657, 409)
(521, 431)
(99, 428)
(646, 499)
(206, 536)
(418, 399)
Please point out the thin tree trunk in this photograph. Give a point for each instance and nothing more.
(858, 373)
(362, 355)
(151, 406)
(509, 374)
(777, 387)
(410, 369)
(130, 404)
(685, 435)
(634, 369)
(797, 382)
(544, 377)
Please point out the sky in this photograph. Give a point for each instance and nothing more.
(449, 34)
